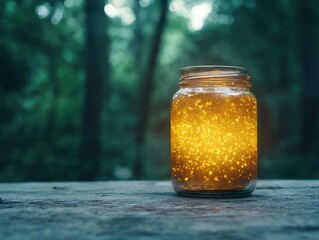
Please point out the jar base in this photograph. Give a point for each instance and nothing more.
(209, 193)
(215, 194)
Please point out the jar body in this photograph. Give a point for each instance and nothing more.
(214, 141)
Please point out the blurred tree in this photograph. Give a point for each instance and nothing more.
(146, 89)
(308, 44)
(96, 88)
(137, 36)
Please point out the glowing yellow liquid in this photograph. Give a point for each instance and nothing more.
(213, 139)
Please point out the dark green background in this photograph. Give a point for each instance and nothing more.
(54, 53)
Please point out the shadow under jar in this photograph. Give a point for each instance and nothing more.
(214, 133)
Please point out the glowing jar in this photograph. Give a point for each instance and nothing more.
(214, 133)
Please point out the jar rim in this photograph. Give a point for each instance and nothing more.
(214, 73)
(214, 69)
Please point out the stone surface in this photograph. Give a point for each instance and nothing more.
(151, 210)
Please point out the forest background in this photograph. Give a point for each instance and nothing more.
(86, 86)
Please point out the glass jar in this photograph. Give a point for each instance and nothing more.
(214, 133)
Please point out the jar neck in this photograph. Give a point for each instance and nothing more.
(214, 76)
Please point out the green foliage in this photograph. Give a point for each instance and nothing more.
(41, 92)
(42, 74)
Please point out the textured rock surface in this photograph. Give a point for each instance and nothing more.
(151, 210)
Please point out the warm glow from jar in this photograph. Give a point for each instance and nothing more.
(213, 138)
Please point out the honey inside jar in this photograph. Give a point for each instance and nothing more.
(213, 138)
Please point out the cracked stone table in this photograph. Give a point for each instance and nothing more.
(278, 209)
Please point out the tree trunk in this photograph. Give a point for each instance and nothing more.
(55, 88)
(284, 103)
(147, 87)
(95, 89)
(310, 85)
(137, 36)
